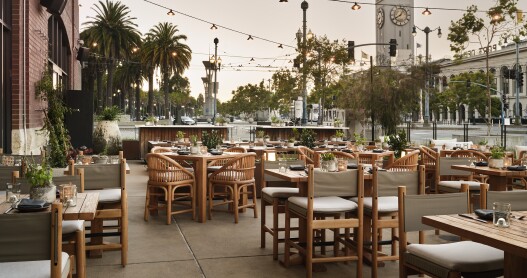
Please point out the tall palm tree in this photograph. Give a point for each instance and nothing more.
(116, 34)
(166, 51)
(129, 76)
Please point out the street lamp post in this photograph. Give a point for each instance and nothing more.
(427, 31)
(304, 7)
(215, 62)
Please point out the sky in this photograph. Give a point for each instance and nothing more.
(277, 22)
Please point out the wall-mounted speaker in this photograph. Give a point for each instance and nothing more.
(55, 7)
(83, 53)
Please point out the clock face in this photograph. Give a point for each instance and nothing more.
(400, 15)
(380, 18)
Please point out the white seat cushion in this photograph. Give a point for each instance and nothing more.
(384, 204)
(109, 195)
(472, 185)
(462, 256)
(322, 204)
(72, 226)
(33, 269)
(213, 168)
(280, 192)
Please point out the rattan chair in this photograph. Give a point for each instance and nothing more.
(173, 181)
(236, 178)
(159, 149)
(429, 160)
(309, 154)
(32, 245)
(475, 156)
(324, 200)
(408, 162)
(457, 259)
(217, 164)
(381, 209)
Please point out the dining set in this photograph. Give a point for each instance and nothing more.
(51, 236)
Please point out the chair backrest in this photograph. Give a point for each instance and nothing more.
(342, 184)
(444, 166)
(33, 236)
(310, 155)
(6, 175)
(517, 198)
(162, 169)
(236, 150)
(239, 168)
(413, 207)
(102, 176)
(385, 183)
(77, 180)
(158, 149)
(408, 162)
(428, 157)
(479, 156)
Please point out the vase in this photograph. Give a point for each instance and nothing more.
(46, 193)
(328, 165)
(496, 163)
(290, 145)
(100, 159)
(195, 150)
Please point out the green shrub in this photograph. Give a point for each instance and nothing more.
(109, 114)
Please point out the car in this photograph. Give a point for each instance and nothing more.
(187, 120)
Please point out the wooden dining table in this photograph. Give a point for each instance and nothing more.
(512, 240)
(84, 210)
(497, 177)
(199, 163)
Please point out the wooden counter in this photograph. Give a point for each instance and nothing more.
(285, 132)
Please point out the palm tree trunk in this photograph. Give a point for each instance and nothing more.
(167, 101)
(138, 100)
(109, 85)
(100, 94)
(151, 93)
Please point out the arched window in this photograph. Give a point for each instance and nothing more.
(58, 51)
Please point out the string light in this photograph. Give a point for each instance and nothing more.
(426, 12)
(280, 46)
(281, 1)
(214, 27)
(252, 59)
(250, 38)
(355, 6)
(171, 13)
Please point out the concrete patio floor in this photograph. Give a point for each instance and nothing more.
(218, 248)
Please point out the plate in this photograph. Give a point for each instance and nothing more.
(34, 209)
(183, 152)
(216, 152)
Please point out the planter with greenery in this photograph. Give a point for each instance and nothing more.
(337, 123)
(483, 144)
(339, 134)
(151, 120)
(398, 143)
(108, 120)
(328, 162)
(307, 138)
(497, 154)
(40, 177)
(220, 121)
(291, 142)
(359, 141)
(194, 147)
(180, 135)
(275, 121)
(260, 135)
(212, 139)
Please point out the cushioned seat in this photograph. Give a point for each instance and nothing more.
(33, 269)
(72, 226)
(463, 256)
(329, 204)
(268, 193)
(472, 185)
(109, 195)
(386, 203)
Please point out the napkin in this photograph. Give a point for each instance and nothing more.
(31, 204)
(482, 163)
(516, 168)
(296, 167)
(378, 151)
(484, 213)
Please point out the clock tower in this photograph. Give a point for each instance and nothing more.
(394, 19)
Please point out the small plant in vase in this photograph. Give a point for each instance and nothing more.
(328, 163)
(337, 123)
(180, 135)
(194, 147)
(339, 135)
(497, 154)
(39, 177)
(359, 141)
(483, 144)
(291, 142)
(275, 121)
(267, 138)
(150, 120)
(260, 135)
(398, 143)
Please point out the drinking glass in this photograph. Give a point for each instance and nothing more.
(502, 214)
(69, 195)
(282, 167)
(12, 192)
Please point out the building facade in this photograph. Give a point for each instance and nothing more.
(36, 36)
(395, 20)
(501, 60)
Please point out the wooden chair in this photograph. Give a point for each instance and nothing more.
(408, 162)
(158, 149)
(517, 182)
(236, 177)
(32, 245)
(217, 164)
(324, 199)
(168, 176)
(457, 259)
(381, 209)
(309, 154)
(475, 156)
(275, 196)
(340, 155)
(109, 180)
(516, 198)
(73, 232)
(429, 160)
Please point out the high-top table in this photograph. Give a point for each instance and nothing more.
(497, 177)
(200, 162)
(512, 240)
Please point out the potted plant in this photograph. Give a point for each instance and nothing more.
(337, 123)
(328, 163)
(260, 135)
(180, 136)
(291, 142)
(378, 143)
(339, 134)
(150, 120)
(107, 121)
(497, 154)
(275, 121)
(211, 140)
(267, 138)
(40, 177)
(483, 144)
(194, 148)
(359, 141)
(398, 143)
(307, 138)
(220, 121)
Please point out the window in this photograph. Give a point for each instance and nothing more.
(59, 53)
(5, 79)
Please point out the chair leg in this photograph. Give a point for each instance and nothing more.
(211, 200)
(309, 250)
(80, 254)
(255, 207)
(275, 228)
(169, 197)
(124, 237)
(262, 224)
(235, 199)
(374, 247)
(147, 203)
(287, 244)
(193, 200)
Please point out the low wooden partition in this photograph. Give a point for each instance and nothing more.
(168, 133)
(285, 132)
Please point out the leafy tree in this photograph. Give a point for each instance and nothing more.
(496, 23)
(115, 33)
(285, 90)
(166, 51)
(249, 99)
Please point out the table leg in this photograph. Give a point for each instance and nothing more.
(497, 183)
(514, 266)
(201, 192)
